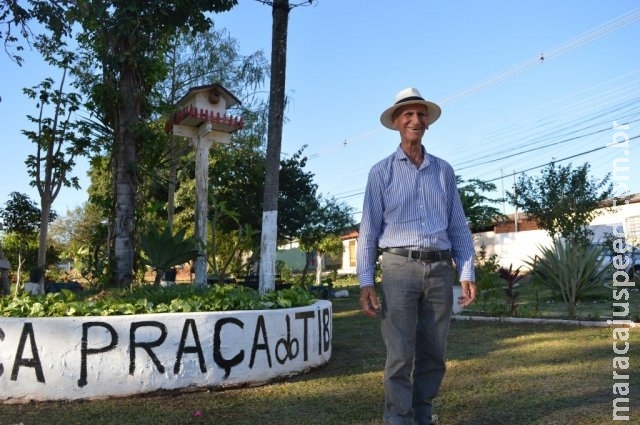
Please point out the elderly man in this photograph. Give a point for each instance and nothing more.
(413, 214)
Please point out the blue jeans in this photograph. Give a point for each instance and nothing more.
(417, 298)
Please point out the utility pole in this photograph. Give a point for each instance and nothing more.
(515, 197)
(503, 199)
(269, 235)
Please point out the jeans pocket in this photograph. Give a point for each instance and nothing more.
(393, 262)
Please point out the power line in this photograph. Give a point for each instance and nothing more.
(561, 159)
(591, 35)
(565, 47)
(484, 160)
(589, 108)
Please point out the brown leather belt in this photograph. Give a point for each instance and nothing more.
(422, 255)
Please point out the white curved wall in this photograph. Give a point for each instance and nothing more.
(67, 358)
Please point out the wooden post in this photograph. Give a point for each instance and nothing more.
(202, 146)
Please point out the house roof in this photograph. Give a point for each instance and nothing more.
(350, 235)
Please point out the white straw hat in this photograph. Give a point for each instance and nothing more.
(410, 96)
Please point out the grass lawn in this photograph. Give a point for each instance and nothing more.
(499, 373)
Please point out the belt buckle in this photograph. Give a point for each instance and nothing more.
(423, 255)
(430, 255)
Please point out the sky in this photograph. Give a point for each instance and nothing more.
(520, 84)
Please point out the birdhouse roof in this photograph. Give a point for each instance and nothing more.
(230, 99)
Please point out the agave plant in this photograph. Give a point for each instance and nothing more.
(165, 250)
(570, 268)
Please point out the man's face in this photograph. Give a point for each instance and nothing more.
(411, 122)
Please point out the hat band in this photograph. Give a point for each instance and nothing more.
(408, 99)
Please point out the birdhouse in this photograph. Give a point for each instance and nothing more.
(202, 113)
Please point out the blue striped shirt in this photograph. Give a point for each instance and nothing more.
(414, 208)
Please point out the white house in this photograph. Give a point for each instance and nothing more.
(349, 243)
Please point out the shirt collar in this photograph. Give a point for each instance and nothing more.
(401, 156)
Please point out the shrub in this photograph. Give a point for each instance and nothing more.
(165, 250)
(511, 277)
(570, 268)
(487, 277)
(486, 270)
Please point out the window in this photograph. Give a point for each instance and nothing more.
(352, 253)
(632, 225)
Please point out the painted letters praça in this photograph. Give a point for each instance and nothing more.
(120, 355)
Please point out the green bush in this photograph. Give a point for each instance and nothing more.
(487, 267)
(283, 270)
(164, 250)
(570, 268)
(487, 278)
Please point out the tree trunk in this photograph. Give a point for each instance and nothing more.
(269, 234)
(48, 188)
(172, 142)
(126, 177)
(157, 278)
(45, 204)
(18, 272)
(4, 276)
(318, 268)
(173, 178)
(305, 269)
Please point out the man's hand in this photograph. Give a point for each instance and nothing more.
(369, 301)
(469, 293)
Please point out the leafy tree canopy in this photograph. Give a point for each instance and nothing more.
(237, 179)
(78, 228)
(21, 218)
(562, 200)
(22, 215)
(330, 219)
(15, 19)
(477, 207)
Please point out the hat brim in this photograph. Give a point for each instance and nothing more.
(433, 112)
